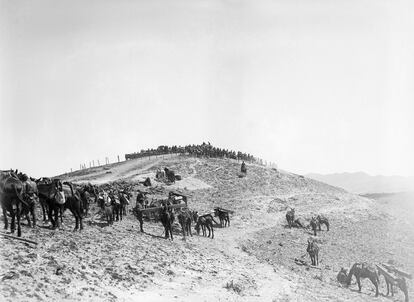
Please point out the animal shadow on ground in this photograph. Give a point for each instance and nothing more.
(50, 228)
(362, 292)
(153, 236)
(100, 224)
(218, 225)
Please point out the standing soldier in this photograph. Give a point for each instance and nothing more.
(138, 209)
(138, 213)
(243, 167)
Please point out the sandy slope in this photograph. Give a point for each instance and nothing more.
(250, 261)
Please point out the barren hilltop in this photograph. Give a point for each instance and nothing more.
(252, 260)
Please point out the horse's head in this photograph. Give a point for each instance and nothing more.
(57, 183)
(22, 176)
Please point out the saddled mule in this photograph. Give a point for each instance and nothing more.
(322, 220)
(31, 196)
(74, 204)
(42, 201)
(314, 224)
(12, 200)
(167, 219)
(223, 217)
(313, 251)
(290, 217)
(363, 271)
(84, 192)
(205, 222)
(401, 283)
(184, 218)
(59, 197)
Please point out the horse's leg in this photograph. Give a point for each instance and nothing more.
(388, 285)
(13, 221)
(61, 210)
(33, 213)
(57, 211)
(43, 210)
(327, 226)
(75, 214)
(6, 221)
(50, 215)
(29, 223)
(376, 288)
(80, 221)
(212, 231)
(19, 230)
(170, 227)
(359, 283)
(184, 229)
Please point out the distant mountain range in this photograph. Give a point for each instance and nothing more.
(360, 182)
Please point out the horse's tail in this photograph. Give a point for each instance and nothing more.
(20, 197)
(75, 196)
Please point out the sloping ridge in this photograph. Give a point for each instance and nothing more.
(121, 264)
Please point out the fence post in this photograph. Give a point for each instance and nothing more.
(118, 158)
(98, 163)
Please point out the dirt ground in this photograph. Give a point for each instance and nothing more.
(252, 260)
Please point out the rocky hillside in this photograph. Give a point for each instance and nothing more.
(252, 260)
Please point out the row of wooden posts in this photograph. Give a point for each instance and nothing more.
(83, 166)
(92, 163)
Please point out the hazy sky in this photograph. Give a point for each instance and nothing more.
(315, 86)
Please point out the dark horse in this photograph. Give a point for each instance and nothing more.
(223, 217)
(362, 271)
(167, 219)
(400, 282)
(322, 220)
(313, 251)
(84, 192)
(30, 195)
(184, 218)
(58, 197)
(314, 225)
(12, 200)
(205, 222)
